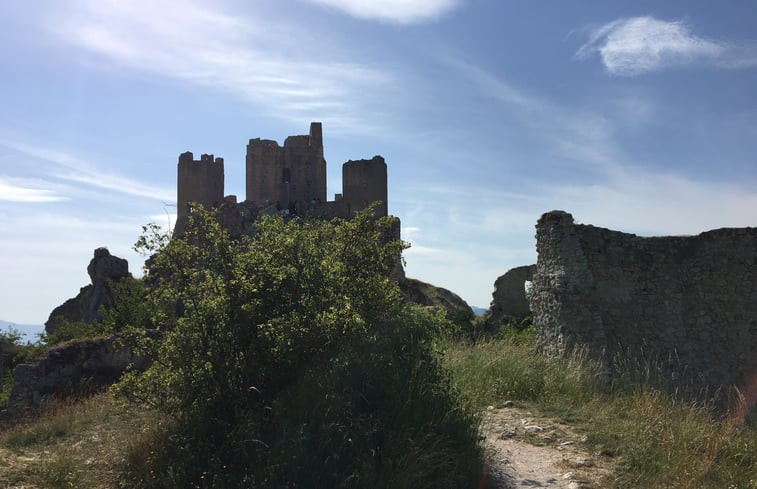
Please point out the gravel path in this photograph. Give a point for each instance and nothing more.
(530, 451)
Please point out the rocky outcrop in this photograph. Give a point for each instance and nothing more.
(509, 302)
(76, 367)
(425, 294)
(102, 269)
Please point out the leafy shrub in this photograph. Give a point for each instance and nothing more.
(291, 360)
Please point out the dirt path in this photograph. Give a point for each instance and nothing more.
(530, 451)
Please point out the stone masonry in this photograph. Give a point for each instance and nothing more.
(509, 302)
(290, 174)
(686, 305)
(75, 367)
(200, 181)
(288, 179)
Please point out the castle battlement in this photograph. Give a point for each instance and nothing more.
(290, 179)
(200, 181)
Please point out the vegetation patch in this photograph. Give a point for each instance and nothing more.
(73, 443)
(656, 441)
(290, 359)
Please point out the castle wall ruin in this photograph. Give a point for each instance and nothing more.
(509, 301)
(290, 179)
(686, 304)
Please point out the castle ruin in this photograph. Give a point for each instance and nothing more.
(289, 180)
(684, 306)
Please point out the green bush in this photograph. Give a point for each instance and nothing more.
(291, 360)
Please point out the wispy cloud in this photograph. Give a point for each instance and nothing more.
(584, 137)
(617, 190)
(632, 46)
(294, 74)
(14, 190)
(492, 86)
(73, 168)
(397, 11)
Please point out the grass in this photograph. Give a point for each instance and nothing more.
(6, 384)
(73, 444)
(658, 442)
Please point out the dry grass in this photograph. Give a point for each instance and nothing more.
(72, 444)
(658, 442)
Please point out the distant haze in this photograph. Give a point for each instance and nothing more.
(28, 332)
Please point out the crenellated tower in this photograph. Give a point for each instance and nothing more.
(364, 182)
(199, 181)
(288, 179)
(288, 175)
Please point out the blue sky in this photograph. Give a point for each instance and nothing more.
(637, 116)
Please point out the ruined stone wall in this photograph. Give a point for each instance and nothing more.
(200, 181)
(686, 304)
(74, 368)
(293, 173)
(509, 302)
(364, 182)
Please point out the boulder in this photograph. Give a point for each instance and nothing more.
(102, 269)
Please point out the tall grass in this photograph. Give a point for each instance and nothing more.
(658, 441)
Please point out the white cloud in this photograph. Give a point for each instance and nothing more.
(165, 221)
(80, 171)
(13, 190)
(295, 74)
(398, 11)
(637, 45)
(117, 183)
(494, 87)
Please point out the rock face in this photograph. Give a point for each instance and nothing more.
(102, 269)
(509, 301)
(684, 305)
(425, 294)
(73, 368)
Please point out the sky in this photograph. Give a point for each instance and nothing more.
(635, 116)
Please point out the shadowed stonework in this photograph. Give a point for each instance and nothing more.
(687, 305)
(509, 302)
(289, 180)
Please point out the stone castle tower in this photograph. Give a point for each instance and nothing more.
(290, 174)
(364, 182)
(289, 180)
(200, 181)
